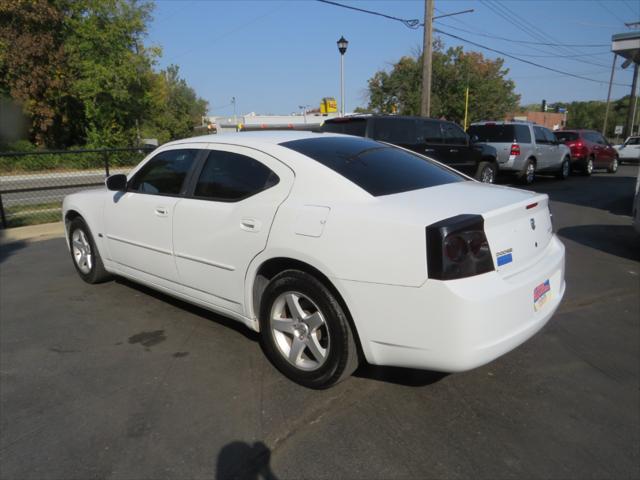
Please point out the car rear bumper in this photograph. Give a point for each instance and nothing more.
(455, 325)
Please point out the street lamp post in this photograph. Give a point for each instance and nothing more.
(342, 48)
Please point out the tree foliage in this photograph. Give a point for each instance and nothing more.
(83, 76)
(591, 114)
(491, 95)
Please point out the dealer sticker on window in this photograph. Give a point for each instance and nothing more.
(541, 295)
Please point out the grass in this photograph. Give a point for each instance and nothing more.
(34, 214)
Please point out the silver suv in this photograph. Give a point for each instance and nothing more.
(524, 148)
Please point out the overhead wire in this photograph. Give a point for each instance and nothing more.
(410, 23)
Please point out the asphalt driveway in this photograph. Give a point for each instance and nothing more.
(117, 381)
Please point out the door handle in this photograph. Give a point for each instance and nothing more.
(453, 150)
(162, 211)
(429, 150)
(250, 224)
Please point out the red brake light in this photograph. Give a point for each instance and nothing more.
(515, 149)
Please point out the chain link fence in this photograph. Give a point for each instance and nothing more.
(33, 184)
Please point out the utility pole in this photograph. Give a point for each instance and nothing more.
(606, 112)
(628, 127)
(425, 106)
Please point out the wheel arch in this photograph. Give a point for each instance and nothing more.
(270, 267)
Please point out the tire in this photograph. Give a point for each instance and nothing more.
(565, 170)
(84, 254)
(486, 172)
(588, 167)
(613, 167)
(313, 346)
(528, 174)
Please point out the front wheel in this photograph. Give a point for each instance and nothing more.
(305, 332)
(613, 167)
(565, 168)
(486, 172)
(85, 255)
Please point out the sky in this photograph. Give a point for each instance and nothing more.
(274, 56)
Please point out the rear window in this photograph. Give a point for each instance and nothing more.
(377, 168)
(353, 126)
(498, 133)
(566, 136)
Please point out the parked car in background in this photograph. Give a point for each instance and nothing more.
(629, 151)
(589, 150)
(334, 248)
(524, 148)
(441, 140)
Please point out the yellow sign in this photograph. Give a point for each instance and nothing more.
(328, 105)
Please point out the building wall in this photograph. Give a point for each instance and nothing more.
(551, 120)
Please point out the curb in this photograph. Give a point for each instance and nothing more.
(32, 233)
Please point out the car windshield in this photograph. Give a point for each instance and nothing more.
(566, 136)
(492, 132)
(378, 168)
(351, 126)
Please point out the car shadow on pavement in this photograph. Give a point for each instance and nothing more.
(241, 461)
(8, 249)
(224, 321)
(619, 240)
(408, 377)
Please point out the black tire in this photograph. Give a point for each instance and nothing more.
(528, 173)
(565, 170)
(587, 169)
(341, 353)
(613, 166)
(95, 272)
(486, 172)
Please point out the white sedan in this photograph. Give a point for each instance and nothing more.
(337, 249)
(629, 150)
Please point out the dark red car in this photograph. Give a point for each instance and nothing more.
(589, 150)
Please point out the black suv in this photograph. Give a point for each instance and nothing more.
(438, 139)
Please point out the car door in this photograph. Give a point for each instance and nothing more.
(605, 153)
(430, 140)
(224, 221)
(138, 222)
(399, 131)
(542, 148)
(456, 147)
(556, 153)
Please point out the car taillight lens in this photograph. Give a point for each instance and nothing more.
(515, 149)
(458, 248)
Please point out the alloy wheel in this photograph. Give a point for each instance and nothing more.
(565, 169)
(487, 175)
(531, 171)
(82, 251)
(300, 331)
(590, 166)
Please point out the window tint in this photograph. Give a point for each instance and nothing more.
(549, 136)
(229, 177)
(453, 135)
(523, 133)
(165, 173)
(539, 134)
(633, 141)
(379, 169)
(494, 133)
(429, 132)
(566, 136)
(395, 130)
(352, 126)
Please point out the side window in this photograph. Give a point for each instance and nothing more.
(429, 132)
(395, 130)
(599, 139)
(453, 135)
(523, 134)
(165, 173)
(539, 134)
(551, 139)
(230, 177)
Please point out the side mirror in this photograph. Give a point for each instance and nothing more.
(117, 183)
(474, 138)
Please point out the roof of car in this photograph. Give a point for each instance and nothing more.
(365, 116)
(274, 137)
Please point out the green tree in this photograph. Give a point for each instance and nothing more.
(491, 94)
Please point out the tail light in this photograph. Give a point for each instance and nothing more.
(458, 248)
(515, 149)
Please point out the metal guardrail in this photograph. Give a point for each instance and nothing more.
(32, 192)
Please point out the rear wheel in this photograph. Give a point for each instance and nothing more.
(305, 332)
(565, 169)
(85, 255)
(486, 172)
(528, 174)
(588, 167)
(613, 167)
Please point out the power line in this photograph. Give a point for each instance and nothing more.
(607, 9)
(412, 23)
(551, 69)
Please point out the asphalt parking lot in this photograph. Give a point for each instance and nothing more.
(117, 381)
